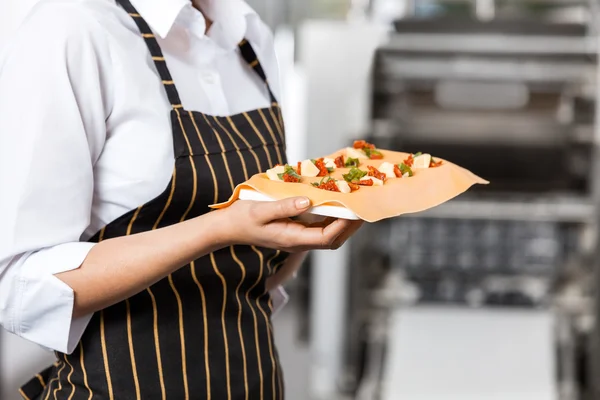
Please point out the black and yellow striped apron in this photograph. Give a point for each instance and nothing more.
(204, 332)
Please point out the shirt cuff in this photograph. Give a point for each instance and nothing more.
(44, 309)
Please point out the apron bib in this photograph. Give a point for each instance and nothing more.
(203, 332)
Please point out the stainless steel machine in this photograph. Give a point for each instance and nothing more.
(515, 102)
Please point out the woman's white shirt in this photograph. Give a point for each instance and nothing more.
(85, 134)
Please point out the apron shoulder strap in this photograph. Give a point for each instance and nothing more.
(249, 55)
(156, 53)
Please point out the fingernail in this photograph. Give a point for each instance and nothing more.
(302, 203)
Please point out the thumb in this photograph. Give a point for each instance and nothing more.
(281, 209)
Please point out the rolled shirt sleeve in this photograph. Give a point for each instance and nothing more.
(54, 101)
(36, 305)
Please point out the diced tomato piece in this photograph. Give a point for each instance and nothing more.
(322, 168)
(409, 161)
(329, 185)
(299, 172)
(375, 156)
(434, 164)
(397, 171)
(361, 144)
(366, 182)
(374, 172)
(290, 178)
(339, 162)
(354, 187)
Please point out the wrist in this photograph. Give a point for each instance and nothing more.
(221, 228)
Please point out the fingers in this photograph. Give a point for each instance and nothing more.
(282, 209)
(328, 221)
(338, 231)
(321, 224)
(345, 235)
(321, 238)
(308, 219)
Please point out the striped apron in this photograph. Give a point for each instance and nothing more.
(203, 332)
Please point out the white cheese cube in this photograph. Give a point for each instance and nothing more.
(329, 163)
(376, 181)
(307, 168)
(273, 172)
(422, 161)
(343, 186)
(351, 152)
(388, 169)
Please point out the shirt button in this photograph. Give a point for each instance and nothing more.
(209, 78)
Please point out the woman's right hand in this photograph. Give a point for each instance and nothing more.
(269, 224)
(116, 269)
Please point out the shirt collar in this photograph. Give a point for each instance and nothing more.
(160, 14)
(230, 22)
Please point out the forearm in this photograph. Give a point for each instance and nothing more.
(119, 268)
(287, 271)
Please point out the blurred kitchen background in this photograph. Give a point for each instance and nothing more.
(489, 297)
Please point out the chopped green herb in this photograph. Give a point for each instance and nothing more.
(330, 169)
(352, 162)
(354, 175)
(405, 169)
(289, 170)
(323, 180)
(371, 152)
(417, 154)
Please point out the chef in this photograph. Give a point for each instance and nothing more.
(120, 123)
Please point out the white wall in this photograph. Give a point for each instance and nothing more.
(19, 360)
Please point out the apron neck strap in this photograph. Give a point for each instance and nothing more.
(156, 53)
(249, 55)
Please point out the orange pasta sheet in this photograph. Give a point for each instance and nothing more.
(428, 188)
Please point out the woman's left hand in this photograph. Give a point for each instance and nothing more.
(287, 271)
(294, 261)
